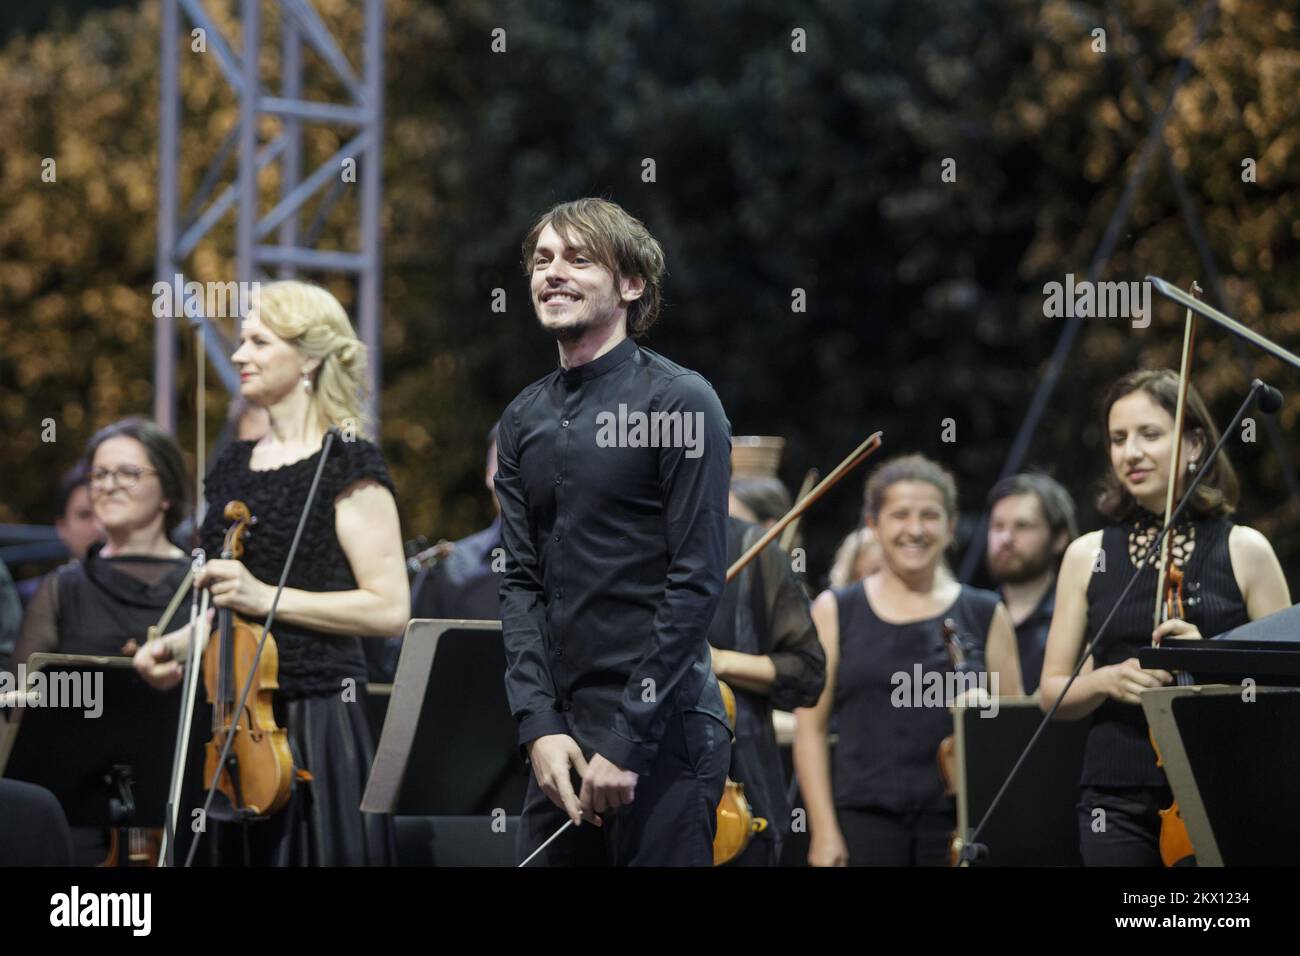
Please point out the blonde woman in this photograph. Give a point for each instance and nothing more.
(857, 557)
(300, 359)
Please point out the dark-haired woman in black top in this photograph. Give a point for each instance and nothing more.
(105, 603)
(1231, 576)
(880, 800)
(301, 360)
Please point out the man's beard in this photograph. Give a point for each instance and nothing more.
(570, 332)
(1020, 572)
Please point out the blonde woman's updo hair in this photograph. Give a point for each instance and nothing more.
(314, 322)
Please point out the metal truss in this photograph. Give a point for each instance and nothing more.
(276, 238)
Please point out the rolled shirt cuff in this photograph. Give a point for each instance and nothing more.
(623, 753)
(541, 725)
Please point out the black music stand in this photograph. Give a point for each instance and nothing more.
(1279, 627)
(1036, 823)
(377, 698)
(110, 771)
(1234, 768)
(1229, 751)
(449, 746)
(1224, 660)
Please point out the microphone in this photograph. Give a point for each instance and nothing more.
(1268, 399)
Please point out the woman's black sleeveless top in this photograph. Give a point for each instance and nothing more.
(1118, 751)
(886, 754)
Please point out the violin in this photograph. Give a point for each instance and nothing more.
(144, 844)
(258, 771)
(947, 755)
(1175, 844)
(736, 821)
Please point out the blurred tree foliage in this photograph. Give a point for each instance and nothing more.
(775, 171)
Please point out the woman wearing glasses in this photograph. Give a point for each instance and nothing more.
(300, 360)
(105, 604)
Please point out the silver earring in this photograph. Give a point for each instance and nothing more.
(306, 382)
(1191, 467)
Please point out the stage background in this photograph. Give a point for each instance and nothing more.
(775, 170)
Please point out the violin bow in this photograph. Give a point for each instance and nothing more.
(1175, 466)
(855, 458)
(787, 539)
(198, 604)
(190, 684)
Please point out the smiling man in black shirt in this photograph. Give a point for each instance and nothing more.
(612, 476)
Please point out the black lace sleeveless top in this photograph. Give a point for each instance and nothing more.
(1118, 751)
(886, 754)
(312, 663)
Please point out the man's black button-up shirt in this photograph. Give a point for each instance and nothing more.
(613, 480)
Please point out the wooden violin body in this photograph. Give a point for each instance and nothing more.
(736, 824)
(1175, 843)
(736, 821)
(143, 846)
(258, 771)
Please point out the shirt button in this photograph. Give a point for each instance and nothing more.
(564, 424)
(557, 537)
(558, 479)
(558, 594)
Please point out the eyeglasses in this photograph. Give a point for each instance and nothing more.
(126, 476)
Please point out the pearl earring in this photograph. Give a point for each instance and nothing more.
(1191, 467)
(306, 382)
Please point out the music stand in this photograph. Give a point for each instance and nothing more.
(1233, 766)
(110, 771)
(450, 744)
(1036, 823)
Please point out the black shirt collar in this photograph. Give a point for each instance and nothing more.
(599, 366)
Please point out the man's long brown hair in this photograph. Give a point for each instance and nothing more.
(618, 241)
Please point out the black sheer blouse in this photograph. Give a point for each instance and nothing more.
(97, 605)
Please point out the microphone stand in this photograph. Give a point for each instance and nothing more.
(973, 851)
(1225, 321)
(266, 630)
